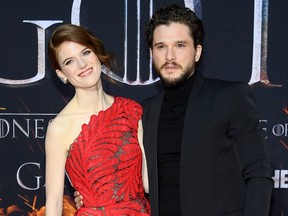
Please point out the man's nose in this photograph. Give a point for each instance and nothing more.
(170, 54)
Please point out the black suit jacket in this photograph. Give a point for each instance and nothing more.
(224, 168)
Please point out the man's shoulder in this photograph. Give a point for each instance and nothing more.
(217, 82)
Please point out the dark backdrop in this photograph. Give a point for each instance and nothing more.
(244, 39)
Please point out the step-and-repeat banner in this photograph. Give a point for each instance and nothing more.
(246, 40)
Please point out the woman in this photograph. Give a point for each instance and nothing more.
(97, 137)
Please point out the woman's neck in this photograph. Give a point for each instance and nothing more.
(92, 101)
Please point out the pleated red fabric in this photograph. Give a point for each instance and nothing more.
(105, 162)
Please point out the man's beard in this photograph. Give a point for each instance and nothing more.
(175, 81)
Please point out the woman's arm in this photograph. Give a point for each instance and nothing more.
(55, 170)
(144, 163)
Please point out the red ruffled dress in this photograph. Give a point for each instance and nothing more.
(105, 163)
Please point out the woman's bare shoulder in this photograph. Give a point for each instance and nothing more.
(58, 127)
(66, 126)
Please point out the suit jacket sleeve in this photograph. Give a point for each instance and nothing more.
(252, 152)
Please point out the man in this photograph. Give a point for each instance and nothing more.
(206, 154)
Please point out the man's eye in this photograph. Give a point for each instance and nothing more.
(160, 47)
(181, 45)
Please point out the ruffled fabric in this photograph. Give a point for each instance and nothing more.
(105, 162)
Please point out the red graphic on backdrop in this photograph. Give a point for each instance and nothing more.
(68, 208)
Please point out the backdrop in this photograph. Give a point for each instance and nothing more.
(245, 40)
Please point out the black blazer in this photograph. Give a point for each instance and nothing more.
(224, 168)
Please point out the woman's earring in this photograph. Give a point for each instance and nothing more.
(65, 81)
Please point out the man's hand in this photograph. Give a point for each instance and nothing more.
(78, 199)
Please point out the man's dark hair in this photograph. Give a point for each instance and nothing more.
(174, 13)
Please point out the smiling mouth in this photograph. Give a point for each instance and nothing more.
(85, 73)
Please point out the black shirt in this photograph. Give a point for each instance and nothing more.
(170, 130)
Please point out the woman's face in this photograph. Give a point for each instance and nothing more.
(78, 64)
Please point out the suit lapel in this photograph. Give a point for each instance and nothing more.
(150, 122)
(189, 124)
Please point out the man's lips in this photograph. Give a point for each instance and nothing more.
(170, 66)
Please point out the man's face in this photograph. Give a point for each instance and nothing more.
(173, 53)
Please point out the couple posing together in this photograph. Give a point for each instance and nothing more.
(199, 142)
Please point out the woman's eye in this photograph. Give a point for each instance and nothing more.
(86, 52)
(68, 62)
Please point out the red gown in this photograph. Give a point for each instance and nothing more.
(105, 163)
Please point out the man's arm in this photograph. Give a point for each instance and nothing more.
(251, 149)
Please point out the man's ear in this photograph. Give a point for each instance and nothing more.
(198, 53)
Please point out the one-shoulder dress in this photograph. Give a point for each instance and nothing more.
(104, 163)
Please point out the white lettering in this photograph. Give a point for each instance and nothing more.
(41, 25)
(280, 179)
(28, 127)
(38, 128)
(15, 123)
(280, 130)
(38, 178)
(4, 128)
(264, 128)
